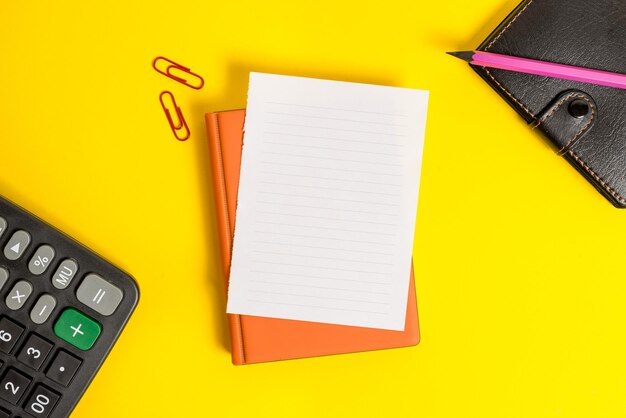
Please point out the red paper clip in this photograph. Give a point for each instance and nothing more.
(181, 125)
(175, 66)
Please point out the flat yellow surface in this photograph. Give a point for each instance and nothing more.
(517, 258)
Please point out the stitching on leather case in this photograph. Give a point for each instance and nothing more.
(515, 99)
(603, 183)
(557, 106)
(583, 128)
(508, 26)
(223, 181)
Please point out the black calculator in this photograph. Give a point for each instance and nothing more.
(62, 307)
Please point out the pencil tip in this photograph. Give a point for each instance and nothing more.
(464, 55)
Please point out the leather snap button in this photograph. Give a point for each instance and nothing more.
(578, 108)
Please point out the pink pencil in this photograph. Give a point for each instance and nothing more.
(543, 68)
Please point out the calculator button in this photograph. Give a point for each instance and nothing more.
(10, 332)
(42, 309)
(4, 276)
(13, 385)
(3, 225)
(77, 329)
(41, 259)
(4, 414)
(99, 294)
(63, 368)
(17, 245)
(41, 401)
(35, 351)
(64, 274)
(18, 296)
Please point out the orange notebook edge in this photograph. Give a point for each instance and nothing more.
(225, 132)
(224, 227)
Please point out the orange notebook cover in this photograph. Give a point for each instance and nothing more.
(257, 339)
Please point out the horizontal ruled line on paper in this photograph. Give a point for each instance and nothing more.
(338, 119)
(331, 129)
(324, 227)
(320, 267)
(333, 149)
(317, 297)
(332, 159)
(346, 260)
(320, 277)
(326, 188)
(329, 178)
(300, 215)
(336, 108)
(321, 248)
(320, 207)
(387, 144)
(274, 164)
(334, 199)
(320, 287)
(325, 238)
(317, 307)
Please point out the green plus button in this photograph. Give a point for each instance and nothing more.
(77, 329)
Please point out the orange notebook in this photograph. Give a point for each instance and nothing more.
(257, 339)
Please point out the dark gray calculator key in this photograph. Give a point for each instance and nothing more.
(4, 413)
(18, 296)
(41, 260)
(64, 274)
(17, 245)
(99, 295)
(10, 332)
(63, 368)
(41, 401)
(42, 309)
(4, 276)
(13, 386)
(35, 351)
(3, 225)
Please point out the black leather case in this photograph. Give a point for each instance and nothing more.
(585, 33)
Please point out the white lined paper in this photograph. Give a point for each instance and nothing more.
(327, 199)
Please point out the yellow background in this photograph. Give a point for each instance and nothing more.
(518, 260)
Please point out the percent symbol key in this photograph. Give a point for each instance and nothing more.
(41, 259)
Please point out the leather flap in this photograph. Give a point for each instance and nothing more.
(567, 119)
